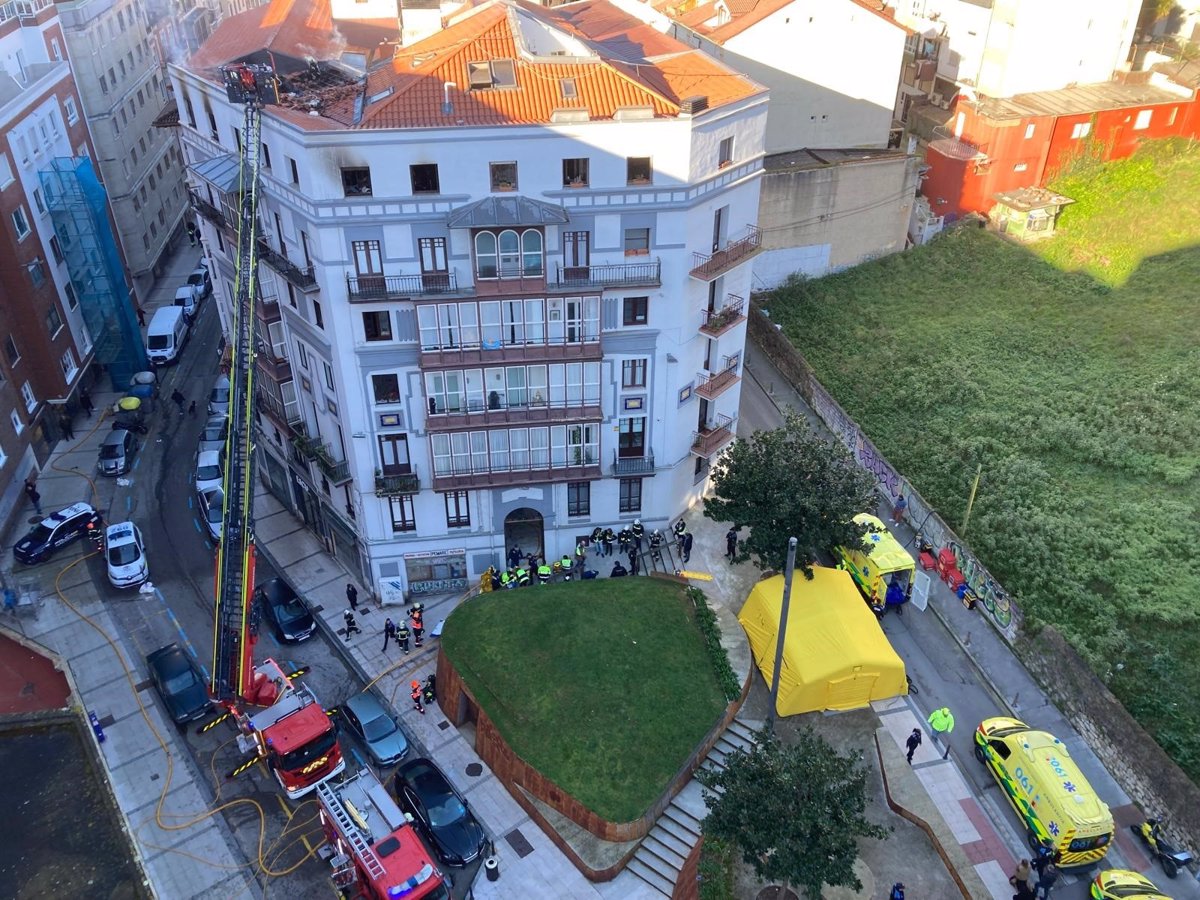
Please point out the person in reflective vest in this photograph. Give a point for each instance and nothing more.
(565, 562)
(506, 579)
(416, 622)
(416, 697)
(680, 528)
(544, 572)
(639, 531)
(522, 576)
(597, 536)
(608, 539)
(402, 635)
(942, 723)
(625, 540)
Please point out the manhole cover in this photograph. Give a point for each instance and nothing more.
(517, 841)
(474, 769)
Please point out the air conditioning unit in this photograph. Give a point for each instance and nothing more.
(935, 99)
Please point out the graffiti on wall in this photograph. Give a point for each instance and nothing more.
(920, 514)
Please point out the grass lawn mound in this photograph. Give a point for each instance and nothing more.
(603, 686)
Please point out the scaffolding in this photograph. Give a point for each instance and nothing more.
(79, 209)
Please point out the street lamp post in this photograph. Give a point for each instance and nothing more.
(783, 618)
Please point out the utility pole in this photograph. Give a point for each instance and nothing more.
(783, 618)
(971, 499)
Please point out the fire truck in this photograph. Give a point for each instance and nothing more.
(280, 721)
(374, 850)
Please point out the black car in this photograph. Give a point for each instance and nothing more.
(180, 683)
(288, 613)
(440, 811)
(52, 532)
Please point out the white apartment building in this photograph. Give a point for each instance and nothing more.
(504, 278)
(117, 71)
(1000, 48)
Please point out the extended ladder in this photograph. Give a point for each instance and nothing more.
(350, 830)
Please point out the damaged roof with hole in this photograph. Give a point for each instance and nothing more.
(721, 20)
(507, 62)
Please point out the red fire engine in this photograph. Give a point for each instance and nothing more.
(375, 851)
(291, 730)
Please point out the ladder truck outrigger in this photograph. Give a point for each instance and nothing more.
(279, 721)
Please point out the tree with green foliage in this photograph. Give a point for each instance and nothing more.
(787, 482)
(795, 811)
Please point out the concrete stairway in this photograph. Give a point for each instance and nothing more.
(662, 853)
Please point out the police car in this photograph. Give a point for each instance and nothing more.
(52, 532)
(125, 554)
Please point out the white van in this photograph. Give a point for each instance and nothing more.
(166, 335)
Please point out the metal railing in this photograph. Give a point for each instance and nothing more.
(303, 278)
(336, 470)
(274, 406)
(708, 441)
(969, 149)
(633, 465)
(395, 485)
(399, 287)
(610, 275)
(709, 267)
(497, 411)
(718, 321)
(710, 384)
(207, 210)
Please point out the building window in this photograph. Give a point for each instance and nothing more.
(17, 424)
(631, 442)
(189, 111)
(458, 509)
(498, 73)
(386, 388)
(503, 176)
(302, 353)
(725, 153)
(433, 261)
(393, 454)
(55, 249)
(1029, 130)
(631, 495)
(637, 170)
(27, 395)
(53, 321)
(377, 325)
(67, 362)
(356, 182)
(424, 178)
(575, 172)
(404, 517)
(508, 254)
(103, 85)
(328, 376)
(295, 172)
(635, 310)
(318, 316)
(266, 155)
(1171, 117)
(1020, 167)
(291, 290)
(72, 300)
(1142, 122)
(72, 110)
(20, 223)
(38, 202)
(37, 273)
(1081, 130)
(576, 251)
(633, 371)
(637, 241)
(579, 498)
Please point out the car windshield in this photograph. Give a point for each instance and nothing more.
(40, 534)
(123, 554)
(219, 395)
(444, 807)
(292, 610)
(213, 434)
(215, 513)
(158, 342)
(378, 728)
(180, 682)
(302, 756)
(208, 473)
(111, 451)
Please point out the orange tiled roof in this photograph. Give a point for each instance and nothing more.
(743, 14)
(625, 63)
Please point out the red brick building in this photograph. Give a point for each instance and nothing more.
(995, 145)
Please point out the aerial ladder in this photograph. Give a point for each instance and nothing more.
(280, 721)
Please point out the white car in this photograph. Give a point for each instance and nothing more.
(188, 297)
(210, 467)
(125, 555)
(212, 510)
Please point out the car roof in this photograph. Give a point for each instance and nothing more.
(421, 766)
(184, 290)
(208, 458)
(366, 706)
(163, 656)
(213, 495)
(120, 533)
(75, 509)
(277, 590)
(199, 270)
(222, 381)
(217, 421)
(116, 436)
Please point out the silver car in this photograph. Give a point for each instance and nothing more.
(212, 511)
(213, 435)
(218, 398)
(210, 470)
(367, 720)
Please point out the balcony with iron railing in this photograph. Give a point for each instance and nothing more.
(606, 275)
(734, 253)
(206, 209)
(267, 308)
(464, 475)
(718, 321)
(392, 482)
(625, 466)
(499, 411)
(273, 406)
(710, 385)
(707, 441)
(958, 147)
(586, 348)
(304, 278)
(367, 288)
(336, 470)
(277, 369)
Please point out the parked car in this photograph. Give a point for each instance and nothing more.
(125, 555)
(210, 469)
(188, 297)
(212, 512)
(213, 435)
(440, 811)
(368, 721)
(116, 452)
(1122, 884)
(200, 280)
(179, 683)
(218, 397)
(288, 614)
(52, 532)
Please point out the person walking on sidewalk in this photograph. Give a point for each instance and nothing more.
(687, 546)
(731, 543)
(942, 723)
(389, 633)
(192, 409)
(898, 510)
(178, 399)
(416, 622)
(85, 400)
(351, 624)
(67, 430)
(913, 742)
(1022, 880)
(1046, 880)
(416, 697)
(141, 314)
(352, 596)
(401, 635)
(34, 497)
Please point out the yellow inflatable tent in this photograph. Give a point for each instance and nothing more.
(835, 657)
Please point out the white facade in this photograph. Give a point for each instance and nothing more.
(1007, 47)
(508, 421)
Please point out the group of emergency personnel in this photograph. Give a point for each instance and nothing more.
(524, 570)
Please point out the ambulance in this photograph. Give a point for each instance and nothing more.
(883, 570)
